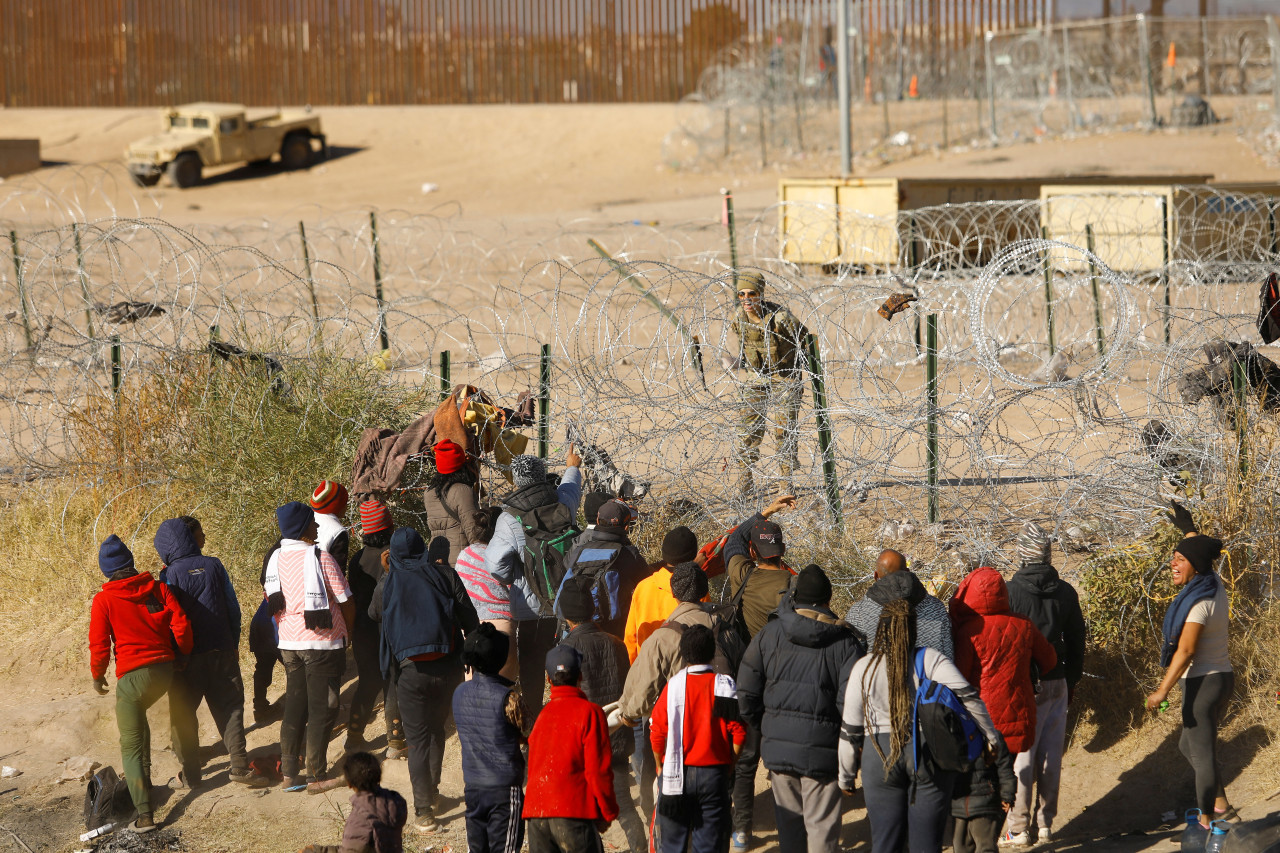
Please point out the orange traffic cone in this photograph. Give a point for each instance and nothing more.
(913, 91)
(1172, 60)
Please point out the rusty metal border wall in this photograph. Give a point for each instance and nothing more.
(274, 52)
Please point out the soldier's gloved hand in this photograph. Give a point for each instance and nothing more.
(100, 685)
(896, 304)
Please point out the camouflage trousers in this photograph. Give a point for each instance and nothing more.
(759, 399)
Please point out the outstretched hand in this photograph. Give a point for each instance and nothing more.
(781, 503)
(572, 460)
(1180, 517)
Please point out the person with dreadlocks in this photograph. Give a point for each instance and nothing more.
(451, 499)
(905, 803)
(1195, 654)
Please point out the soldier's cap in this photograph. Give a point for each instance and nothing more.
(752, 281)
(564, 659)
(767, 537)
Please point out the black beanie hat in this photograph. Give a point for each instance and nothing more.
(688, 582)
(812, 587)
(680, 545)
(1200, 551)
(576, 604)
(485, 649)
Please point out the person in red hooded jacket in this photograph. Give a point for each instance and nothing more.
(995, 650)
(137, 615)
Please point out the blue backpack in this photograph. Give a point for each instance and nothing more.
(592, 568)
(940, 719)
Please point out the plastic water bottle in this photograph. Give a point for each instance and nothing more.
(1195, 836)
(95, 833)
(1217, 836)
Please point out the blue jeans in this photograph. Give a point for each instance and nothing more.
(706, 821)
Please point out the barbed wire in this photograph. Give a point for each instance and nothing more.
(1052, 362)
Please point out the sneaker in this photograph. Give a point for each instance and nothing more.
(143, 824)
(249, 778)
(320, 786)
(426, 824)
(740, 841)
(1044, 835)
(1015, 839)
(188, 781)
(293, 783)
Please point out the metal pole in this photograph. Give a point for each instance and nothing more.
(1048, 291)
(377, 282)
(931, 414)
(945, 140)
(826, 444)
(1204, 56)
(884, 105)
(1144, 39)
(913, 261)
(22, 291)
(544, 401)
(116, 371)
(727, 130)
(1093, 284)
(311, 284)
(1240, 385)
(991, 84)
(902, 47)
(1273, 38)
(83, 275)
(733, 233)
(446, 374)
(764, 153)
(1066, 71)
(1164, 270)
(842, 87)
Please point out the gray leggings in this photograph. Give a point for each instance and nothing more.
(1204, 699)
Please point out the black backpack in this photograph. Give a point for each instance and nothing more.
(945, 727)
(549, 531)
(106, 800)
(730, 640)
(1269, 309)
(593, 566)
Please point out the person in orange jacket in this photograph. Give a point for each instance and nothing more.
(568, 798)
(145, 623)
(653, 601)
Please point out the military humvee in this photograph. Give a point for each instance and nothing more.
(208, 134)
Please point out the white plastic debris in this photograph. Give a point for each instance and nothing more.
(7, 772)
(429, 188)
(900, 139)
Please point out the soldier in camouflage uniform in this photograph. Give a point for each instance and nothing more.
(772, 343)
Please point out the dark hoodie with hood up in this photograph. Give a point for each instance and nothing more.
(202, 587)
(421, 603)
(933, 625)
(1052, 604)
(791, 686)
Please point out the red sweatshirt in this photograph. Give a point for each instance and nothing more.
(708, 740)
(143, 620)
(570, 763)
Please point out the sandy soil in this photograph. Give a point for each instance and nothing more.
(533, 168)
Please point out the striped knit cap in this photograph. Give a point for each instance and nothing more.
(329, 498)
(374, 517)
(1033, 544)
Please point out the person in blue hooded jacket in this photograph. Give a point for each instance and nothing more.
(212, 672)
(424, 609)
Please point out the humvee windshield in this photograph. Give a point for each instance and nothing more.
(177, 121)
(200, 123)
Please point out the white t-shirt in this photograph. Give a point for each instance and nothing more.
(1211, 647)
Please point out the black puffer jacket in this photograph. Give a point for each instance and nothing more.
(791, 686)
(1052, 604)
(604, 671)
(981, 791)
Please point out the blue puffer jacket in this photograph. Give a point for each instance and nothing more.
(491, 756)
(202, 587)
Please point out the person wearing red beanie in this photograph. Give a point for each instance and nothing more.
(329, 501)
(452, 500)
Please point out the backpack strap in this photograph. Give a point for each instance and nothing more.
(915, 721)
(736, 600)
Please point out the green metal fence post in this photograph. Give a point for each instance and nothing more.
(826, 443)
(1240, 389)
(83, 275)
(22, 291)
(117, 371)
(733, 233)
(1093, 285)
(931, 422)
(311, 283)
(377, 282)
(544, 401)
(913, 260)
(446, 374)
(1048, 292)
(1164, 270)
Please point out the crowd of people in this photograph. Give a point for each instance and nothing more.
(575, 669)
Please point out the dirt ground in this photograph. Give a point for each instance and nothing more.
(533, 168)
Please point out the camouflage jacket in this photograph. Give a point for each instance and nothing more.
(775, 345)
